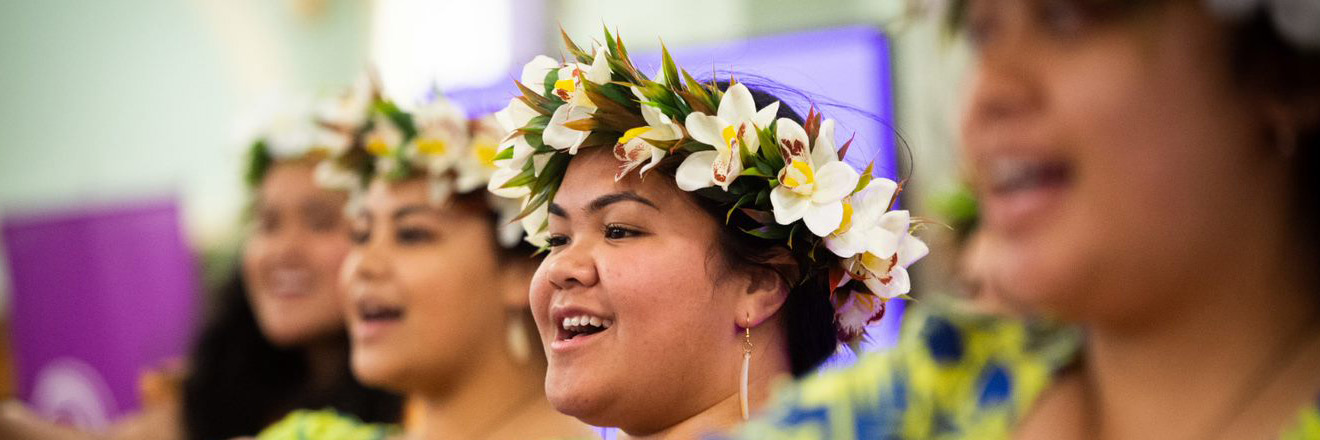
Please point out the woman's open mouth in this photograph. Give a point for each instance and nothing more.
(577, 329)
(1020, 190)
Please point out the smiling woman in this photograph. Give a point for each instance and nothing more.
(704, 241)
(1147, 171)
(436, 285)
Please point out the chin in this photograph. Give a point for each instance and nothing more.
(374, 371)
(576, 399)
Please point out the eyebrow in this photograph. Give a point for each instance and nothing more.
(410, 210)
(604, 201)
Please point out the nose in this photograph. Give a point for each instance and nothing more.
(573, 266)
(367, 262)
(1004, 88)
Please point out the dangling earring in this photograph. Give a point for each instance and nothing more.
(516, 332)
(747, 364)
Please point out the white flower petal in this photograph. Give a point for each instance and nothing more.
(563, 138)
(657, 154)
(502, 176)
(533, 73)
(910, 250)
(824, 150)
(763, 117)
(789, 207)
(737, 105)
(695, 171)
(823, 219)
(793, 140)
(834, 181)
(599, 71)
(706, 129)
(516, 115)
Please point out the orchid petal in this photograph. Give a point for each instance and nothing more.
(763, 117)
(695, 171)
(823, 219)
(516, 115)
(792, 140)
(533, 73)
(789, 207)
(563, 138)
(737, 105)
(910, 250)
(706, 129)
(599, 71)
(502, 176)
(834, 181)
(657, 154)
(824, 150)
(727, 166)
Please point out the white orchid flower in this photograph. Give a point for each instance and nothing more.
(812, 183)
(441, 136)
(353, 108)
(534, 72)
(858, 311)
(577, 106)
(732, 128)
(513, 117)
(635, 146)
(476, 166)
(884, 268)
(861, 220)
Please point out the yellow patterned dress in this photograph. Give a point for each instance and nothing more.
(953, 376)
(325, 424)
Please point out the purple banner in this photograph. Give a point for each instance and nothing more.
(99, 296)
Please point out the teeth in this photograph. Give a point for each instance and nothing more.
(574, 322)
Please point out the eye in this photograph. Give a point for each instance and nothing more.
(414, 235)
(359, 235)
(619, 232)
(556, 240)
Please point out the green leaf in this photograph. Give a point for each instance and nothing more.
(753, 171)
(866, 177)
(551, 78)
(770, 145)
(746, 198)
(506, 153)
(524, 178)
(768, 232)
(610, 43)
(672, 80)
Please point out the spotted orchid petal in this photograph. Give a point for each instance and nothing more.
(695, 171)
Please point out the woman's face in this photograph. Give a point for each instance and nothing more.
(291, 260)
(635, 255)
(1116, 160)
(424, 289)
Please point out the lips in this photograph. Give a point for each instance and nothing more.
(374, 316)
(1020, 190)
(576, 327)
(289, 282)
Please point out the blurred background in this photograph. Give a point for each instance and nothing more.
(121, 189)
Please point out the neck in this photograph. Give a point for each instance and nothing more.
(491, 395)
(769, 368)
(1197, 366)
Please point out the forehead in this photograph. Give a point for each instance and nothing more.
(291, 182)
(591, 175)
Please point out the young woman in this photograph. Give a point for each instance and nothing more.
(1148, 177)
(275, 340)
(436, 286)
(704, 242)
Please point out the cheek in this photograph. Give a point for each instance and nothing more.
(539, 294)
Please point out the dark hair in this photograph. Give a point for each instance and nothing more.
(808, 314)
(240, 383)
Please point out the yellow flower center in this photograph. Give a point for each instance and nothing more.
(633, 133)
(799, 177)
(485, 152)
(847, 218)
(377, 146)
(431, 146)
(566, 85)
(730, 135)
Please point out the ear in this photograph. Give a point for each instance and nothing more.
(766, 291)
(515, 279)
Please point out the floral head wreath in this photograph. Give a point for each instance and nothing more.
(435, 140)
(284, 128)
(783, 176)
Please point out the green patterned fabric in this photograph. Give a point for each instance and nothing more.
(953, 376)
